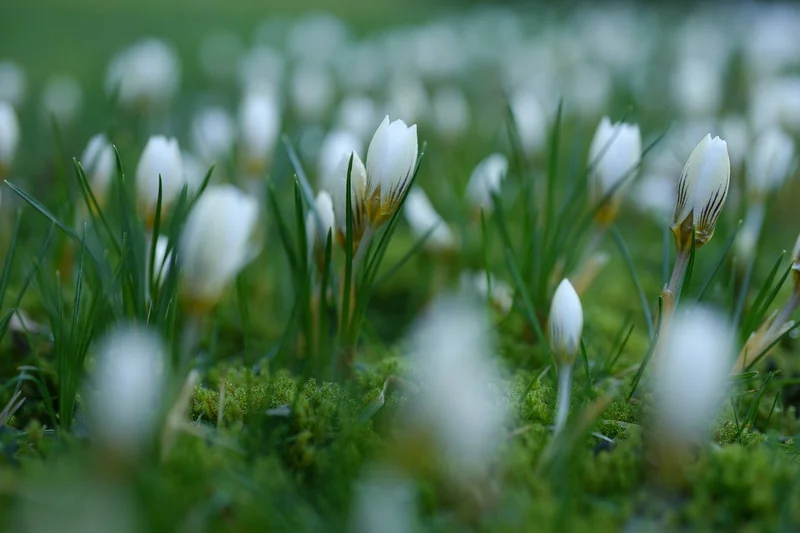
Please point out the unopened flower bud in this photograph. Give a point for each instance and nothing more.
(702, 190)
(566, 323)
(614, 155)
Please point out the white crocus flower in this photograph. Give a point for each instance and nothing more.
(691, 376)
(336, 144)
(566, 328)
(317, 228)
(614, 155)
(12, 83)
(9, 136)
(260, 124)
(769, 162)
(62, 97)
(126, 390)
(456, 407)
(99, 163)
(144, 75)
(217, 242)
(213, 134)
(485, 180)
(161, 157)
(391, 161)
(702, 190)
(531, 121)
(336, 186)
(424, 220)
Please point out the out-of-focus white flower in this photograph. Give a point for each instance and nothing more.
(260, 123)
(531, 121)
(99, 163)
(336, 186)
(219, 53)
(357, 114)
(126, 390)
(317, 229)
(408, 99)
(391, 161)
(261, 69)
(457, 407)
(161, 158)
(9, 136)
(385, 502)
(485, 180)
(691, 376)
(216, 243)
(769, 162)
(451, 112)
(614, 154)
(655, 193)
(736, 132)
(62, 98)
(213, 134)
(336, 144)
(502, 294)
(697, 87)
(145, 74)
(566, 323)
(12, 83)
(702, 190)
(589, 89)
(775, 101)
(311, 90)
(423, 218)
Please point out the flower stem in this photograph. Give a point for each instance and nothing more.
(564, 386)
(678, 272)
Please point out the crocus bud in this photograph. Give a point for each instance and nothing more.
(702, 190)
(336, 185)
(566, 323)
(391, 161)
(769, 163)
(126, 389)
(260, 123)
(161, 157)
(485, 180)
(99, 163)
(213, 134)
(691, 375)
(424, 220)
(317, 228)
(217, 242)
(9, 136)
(614, 154)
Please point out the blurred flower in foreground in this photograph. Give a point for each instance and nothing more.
(99, 163)
(162, 159)
(391, 162)
(144, 75)
(62, 98)
(213, 134)
(260, 123)
(12, 83)
(424, 220)
(385, 502)
(691, 375)
(9, 137)
(456, 407)
(217, 242)
(485, 180)
(702, 190)
(614, 156)
(127, 386)
(566, 328)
